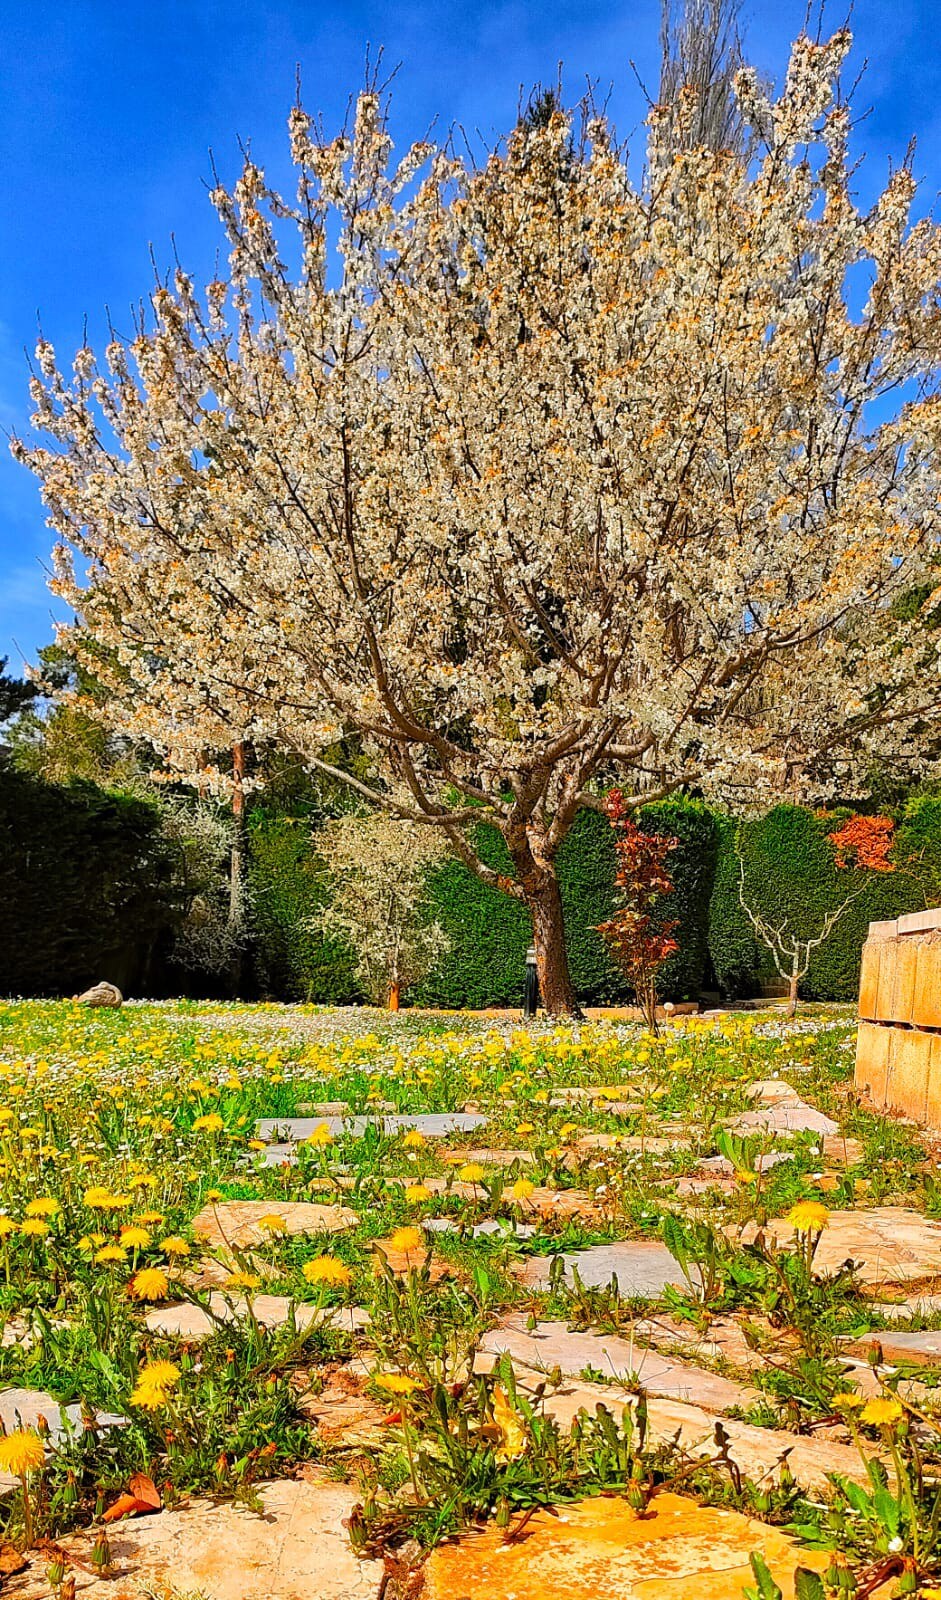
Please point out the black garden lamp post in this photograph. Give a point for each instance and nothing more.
(531, 990)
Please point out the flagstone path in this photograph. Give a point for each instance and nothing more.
(601, 1550)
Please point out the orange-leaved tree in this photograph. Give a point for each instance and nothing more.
(639, 939)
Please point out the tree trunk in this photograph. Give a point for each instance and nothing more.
(792, 995)
(237, 866)
(556, 991)
(393, 997)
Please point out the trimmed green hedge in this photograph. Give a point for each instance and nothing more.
(84, 886)
(287, 884)
(790, 875)
(489, 932)
(86, 892)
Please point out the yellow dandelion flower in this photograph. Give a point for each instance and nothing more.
(35, 1227)
(329, 1271)
(406, 1239)
(150, 1283)
(257, 1144)
(163, 1374)
(98, 1198)
(272, 1223)
(110, 1253)
(524, 1128)
(808, 1216)
(242, 1280)
(848, 1402)
(44, 1207)
(21, 1452)
(395, 1383)
(881, 1412)
(321, 1136)
(134, 1237)
(414, 1139)
(211, 1123)
(417, 1193)
(174, 1246)
(522, 1189)
(472, 1172)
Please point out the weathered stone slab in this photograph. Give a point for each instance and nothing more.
(643, 1268)
(297, 1547)
(191, 1322)
(434, 1124)
(722, 1166)
(491, 1228)
(892, 1244)
(916, 1305)
(724, 1339)
(785, 1118)
(757, 1451)
(26, 1408)
(601, 1548)
(487, 1157)
(650, 1144)
(842, 1152)
(899, 1348)
(235, 1223)
(551, 1344)
(773, 1092)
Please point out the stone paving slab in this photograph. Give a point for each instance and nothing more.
(651, 1144)
(757, 1451)
(643, 1268)
(600, 1550)
(487, 1157)
(433, 1124)
(24, 1408)
(783, 1119)
(491, 1228)
(723, 1340)
(297, 1548)
(842, 1152)
(191, 1322)
(891, 1243)
(235, 1223)
(773, 1092)
(916, 1349)
(915, 1305)
(551, 1344)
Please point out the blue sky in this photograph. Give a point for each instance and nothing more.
(108, 111)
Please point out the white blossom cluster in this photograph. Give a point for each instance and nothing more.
(531, 475)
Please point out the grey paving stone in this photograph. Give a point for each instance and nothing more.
(187, 1321)
(643, 1268)
(434, 1124)
(551, 1344)
(23, 1408)
(785, 1118)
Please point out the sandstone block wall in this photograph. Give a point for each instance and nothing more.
(898, 1056)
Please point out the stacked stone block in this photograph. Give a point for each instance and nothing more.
(898, 1056)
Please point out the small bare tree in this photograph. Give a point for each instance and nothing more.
(864, 843)
(379, 867)
(791, 954)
